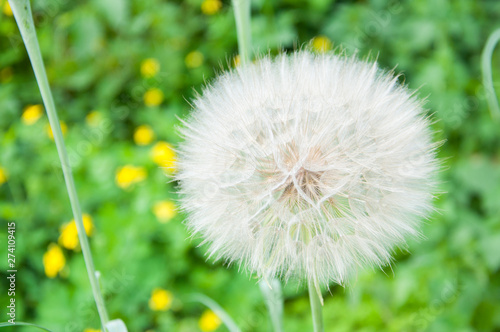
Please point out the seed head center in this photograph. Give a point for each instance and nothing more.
(303, 183)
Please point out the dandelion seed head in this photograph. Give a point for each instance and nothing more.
(306, 166)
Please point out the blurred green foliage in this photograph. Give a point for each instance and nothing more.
(93, 51)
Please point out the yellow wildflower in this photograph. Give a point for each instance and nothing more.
(164, 155)
(164, 211)
(53, 260)
(143, 135)
(210, 7)
(91, 330)
(69, 234)
(93, 118)
(153, 97)
(128, 175)
(321, 44)
(150, 67)
(209, 321)
(6, 8)
(236, 60)
(3, 176)
(31, 114)
(6, 74)
(48, 129)
(194, 59)
(161, 300)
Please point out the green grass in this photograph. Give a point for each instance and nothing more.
(93, 52)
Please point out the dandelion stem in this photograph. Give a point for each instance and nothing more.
(22, 13)
(271, 289)
(242, 17)
(487, 74)
(316, 307)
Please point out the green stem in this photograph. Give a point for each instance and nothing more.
(22, 13)
(4, 324)
(316, 306)
(487, 74)
(217, 309)
(242, 17)
(271, 289)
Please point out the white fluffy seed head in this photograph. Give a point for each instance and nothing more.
(306, 166)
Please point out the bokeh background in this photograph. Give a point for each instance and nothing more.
(122, 71)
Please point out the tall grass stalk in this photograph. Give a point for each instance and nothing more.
(217, 309)
(22, 13)
(242, 17)
(486, 57)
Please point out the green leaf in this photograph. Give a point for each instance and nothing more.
(25, 324)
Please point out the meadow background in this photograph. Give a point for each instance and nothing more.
(122, 71)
